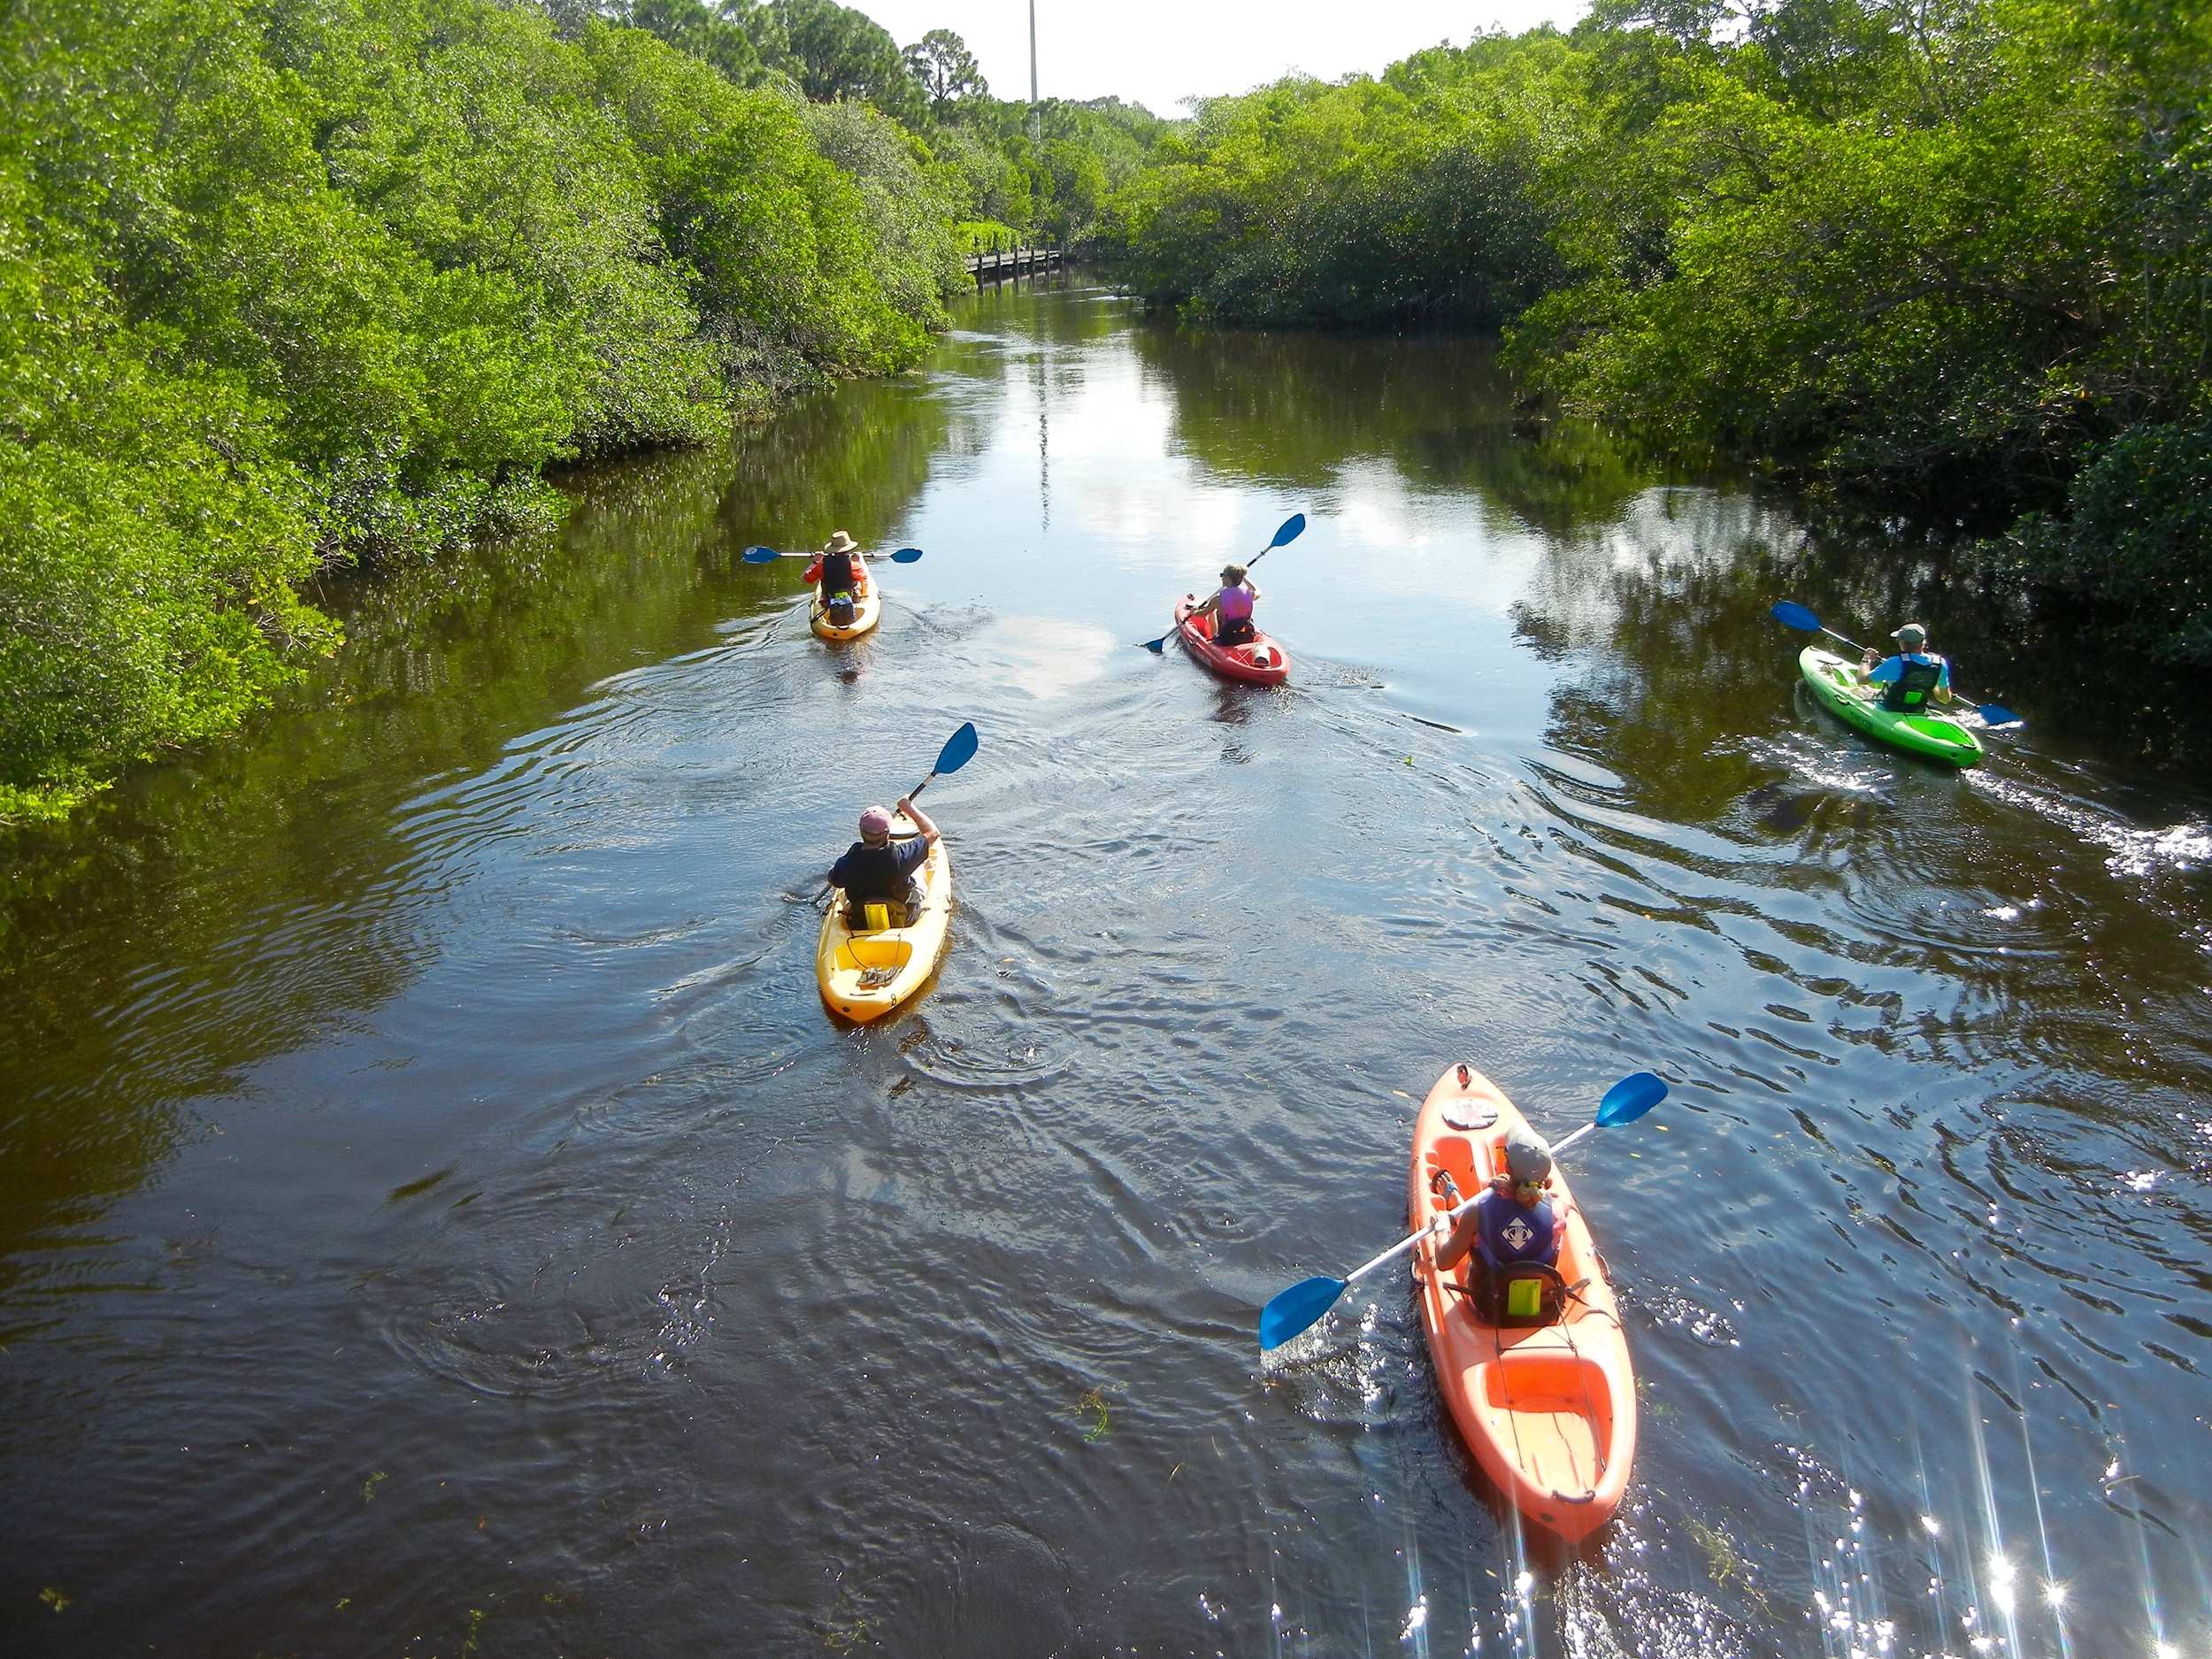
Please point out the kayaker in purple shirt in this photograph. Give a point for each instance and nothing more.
(1232, 606)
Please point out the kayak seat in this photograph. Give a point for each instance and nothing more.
(865, 952)
(1455, 1157)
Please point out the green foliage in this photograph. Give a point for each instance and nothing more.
(837, 53)
(286, 283)
(1410, 201)
(979, 235)
(946, 70)
(1939, 249)
(2128, 560)
(151, 530)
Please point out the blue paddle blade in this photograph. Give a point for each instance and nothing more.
(1997, 714)
(1156, 647)
(906, 555)
(1295, 1309)
(1630, 1099)
(760, 555)
(1796, 616)
(1293, 528)
(959, 750)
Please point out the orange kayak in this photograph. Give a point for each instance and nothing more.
(1549, 1411)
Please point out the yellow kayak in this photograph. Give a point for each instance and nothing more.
(866, 609)
(865, 975)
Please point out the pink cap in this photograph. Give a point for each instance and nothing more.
(875, 822)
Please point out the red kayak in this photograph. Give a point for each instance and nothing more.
(1261, 660)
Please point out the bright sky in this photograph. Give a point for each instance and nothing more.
(1156, 52)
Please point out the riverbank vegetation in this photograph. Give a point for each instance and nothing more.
(285, 285)
(1951, 253)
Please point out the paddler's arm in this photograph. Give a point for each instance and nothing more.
(922, 821)
(1207, 606)
(1456, 1240)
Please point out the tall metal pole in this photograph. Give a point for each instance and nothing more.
(1036, 117)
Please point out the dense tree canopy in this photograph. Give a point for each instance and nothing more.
(284, 282)
(1954, 251)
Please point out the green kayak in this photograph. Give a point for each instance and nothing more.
(1836, 683)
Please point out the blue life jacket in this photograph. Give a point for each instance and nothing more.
(1510, 1233)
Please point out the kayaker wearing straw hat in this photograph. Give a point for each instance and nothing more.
(838, 567)
(1232, 606)
(1912, 676)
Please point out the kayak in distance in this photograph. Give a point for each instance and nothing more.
(1548, 1410)
(1835, 682)
(864, 973)
(1260, 661)
(867, 608)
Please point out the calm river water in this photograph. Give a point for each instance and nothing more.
(437, 1217)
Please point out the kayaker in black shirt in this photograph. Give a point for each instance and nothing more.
(839, 568)
(876, 868)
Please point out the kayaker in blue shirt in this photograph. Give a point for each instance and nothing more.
(1232, 606)
(877, 869)
(1912, 677)
(1513, 1221)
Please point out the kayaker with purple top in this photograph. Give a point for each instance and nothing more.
(1232, 607)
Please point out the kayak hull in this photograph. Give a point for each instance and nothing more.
(1262, 662)
(1834, 682)
(867, 610)
(1549, 1411)
(863, 976)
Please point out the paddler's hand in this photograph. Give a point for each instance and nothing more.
(1869, 660)
(905, 808)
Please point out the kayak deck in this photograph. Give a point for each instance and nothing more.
(1262, 661)
(863, 976)
(1549, 1411)
(867, 609)
(1836, 683)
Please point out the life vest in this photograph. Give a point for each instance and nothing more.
(1511, 1233)
(844, 573)
(1236, 604)
(1524, 1294)
(1915, 684)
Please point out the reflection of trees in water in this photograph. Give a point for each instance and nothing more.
(1058, 311)
(1670, 602)
(1296, 408)
(225, 908)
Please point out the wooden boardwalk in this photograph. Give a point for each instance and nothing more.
(1001, 265)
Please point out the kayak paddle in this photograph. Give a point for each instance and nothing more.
(959, 750)
(768, 556)
(1292, 528)
(1292, 1310)
(1791, 616)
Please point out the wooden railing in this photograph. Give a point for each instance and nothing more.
(999, 264)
